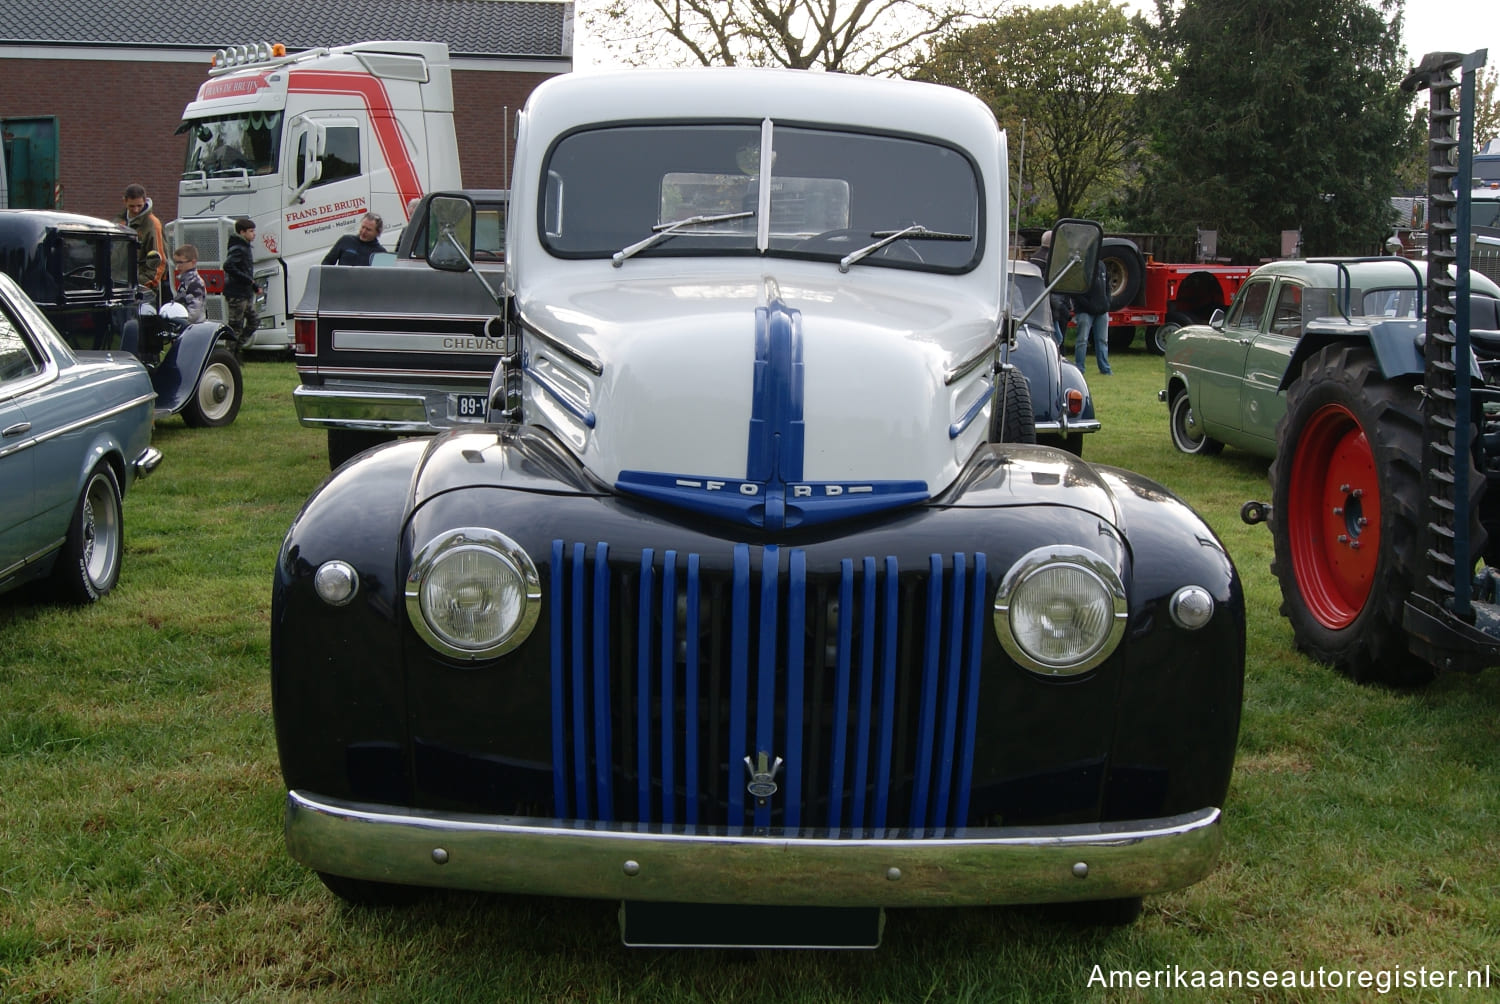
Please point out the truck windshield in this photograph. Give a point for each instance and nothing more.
(830, 192)
(233, 145)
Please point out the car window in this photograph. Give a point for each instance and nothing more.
(1287, 319)
(18, 360)
(81, 272)
(1251, 305)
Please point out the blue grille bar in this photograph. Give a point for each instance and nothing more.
(765, 672)
(690, 694)
(698, 671)
(796, 625)
(643, 690)
(739, 670)
(668, 661)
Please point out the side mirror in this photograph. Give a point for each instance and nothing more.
(450, 233)
(311, 145)
(384, 258)
(1217, 320)
(1075, 253)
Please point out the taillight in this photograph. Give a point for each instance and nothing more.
(305, 336)
(1075, 400)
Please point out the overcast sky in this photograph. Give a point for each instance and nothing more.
(1431, 25)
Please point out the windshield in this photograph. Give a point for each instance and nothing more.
(1485, 213)
(234, 145)
(1024, 291)
(829, 193)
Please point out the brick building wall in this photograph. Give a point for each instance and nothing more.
(117, 123)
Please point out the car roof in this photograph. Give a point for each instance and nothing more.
(1365, 273)
(26, 226)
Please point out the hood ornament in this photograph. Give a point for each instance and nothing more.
(763, 772)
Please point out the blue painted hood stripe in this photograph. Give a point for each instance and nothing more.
(773, 494)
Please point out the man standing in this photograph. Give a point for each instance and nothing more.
(356, 249)
(139, 217)
(1092, 317)
(239, 284)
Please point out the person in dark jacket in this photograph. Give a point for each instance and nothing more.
(356, 249)
(1092, 318)
(239, 284)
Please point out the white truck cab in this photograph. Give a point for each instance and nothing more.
(305, 145)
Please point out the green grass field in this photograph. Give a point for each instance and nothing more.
(140, 800)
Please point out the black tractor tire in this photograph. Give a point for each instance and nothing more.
(1125, 269)
(1156, 339)
(1121, 337)
(1347, 514)
(88, 566)
(1013, 421)
(1186, 435)
(346, 444)
(217, 395)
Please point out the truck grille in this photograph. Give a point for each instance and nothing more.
(676, 688)
(206, 236)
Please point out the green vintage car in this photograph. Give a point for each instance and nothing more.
(1224, 379)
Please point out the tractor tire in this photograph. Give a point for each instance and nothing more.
(1156, 339)
(1013, 421)
(1187, 435)
(1346, 515)
(1125, 269)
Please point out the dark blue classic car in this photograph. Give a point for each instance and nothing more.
(75, 432)
(81, 272)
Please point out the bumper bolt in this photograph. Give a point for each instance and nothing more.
(439, 856)
(1081, 869)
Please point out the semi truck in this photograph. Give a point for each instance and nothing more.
(305, 145)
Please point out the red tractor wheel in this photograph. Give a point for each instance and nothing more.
(1346, 514)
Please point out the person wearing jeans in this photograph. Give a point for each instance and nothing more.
(1092, 317)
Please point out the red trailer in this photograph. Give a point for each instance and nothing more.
(1161, 297)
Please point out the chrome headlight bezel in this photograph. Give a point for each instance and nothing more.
(490, 545)
(1096, 573)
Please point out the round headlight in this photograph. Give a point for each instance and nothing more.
(1060, 611)
(473, 594)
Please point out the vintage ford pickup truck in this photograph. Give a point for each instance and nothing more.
(742, 609)
(399, 349)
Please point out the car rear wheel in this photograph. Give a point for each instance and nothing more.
(216, 399)
(1346, 514)
(1187, 435)
(89, 565)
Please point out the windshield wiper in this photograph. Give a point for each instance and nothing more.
(915, 232)
(662, 231)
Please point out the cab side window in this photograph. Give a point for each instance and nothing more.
(341, 155)
(1287, 320)
(1251, 305)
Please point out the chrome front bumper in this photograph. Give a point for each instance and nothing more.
(551, 858)
(415, 411)
(147, 462)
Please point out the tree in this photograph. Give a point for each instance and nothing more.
(1275, 115)
(879, 37)
(1069, 73)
